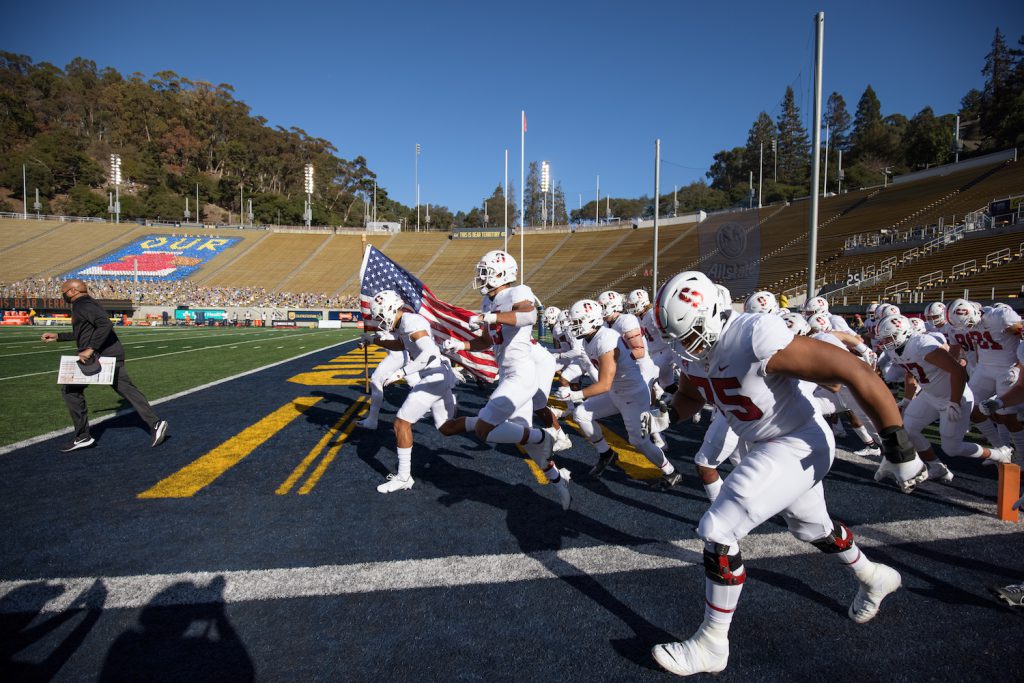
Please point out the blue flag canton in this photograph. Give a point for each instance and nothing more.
(383, 273)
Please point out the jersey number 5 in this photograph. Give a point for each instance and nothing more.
(716, 390)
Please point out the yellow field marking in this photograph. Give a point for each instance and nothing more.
(201, 473)
(344, 370)
(538, 473)
(329, 458)
(301, 468)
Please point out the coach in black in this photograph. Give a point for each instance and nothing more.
(92, 330)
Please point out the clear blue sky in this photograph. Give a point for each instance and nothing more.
(599, 80)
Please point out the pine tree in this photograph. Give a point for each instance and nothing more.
(561, 216)
(762, 132)
(533, 197)
(838, 120)
(793, 147)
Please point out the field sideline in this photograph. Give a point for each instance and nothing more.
(162, 362)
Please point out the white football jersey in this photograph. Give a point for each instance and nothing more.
(627, 322)
(655, 342)
(560, 339)
(409, 325)
(628, 376)
(931, 379)
(996, 347)
(511, 343)
(839, 323)
(758, 406)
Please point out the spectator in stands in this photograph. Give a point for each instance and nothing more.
(94, 334)
(164, 315)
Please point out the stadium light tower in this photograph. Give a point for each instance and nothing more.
(308, 186)
(545, 183)
(417, 187)
(115, 175)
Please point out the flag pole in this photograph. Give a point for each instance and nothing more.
(522, 209)
(366, 353)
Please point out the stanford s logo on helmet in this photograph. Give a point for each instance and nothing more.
(495, 268)
(689, 310)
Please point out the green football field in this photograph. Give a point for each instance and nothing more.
(162, 361)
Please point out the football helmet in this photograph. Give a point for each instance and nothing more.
(585, 318)
(689, 309)
(869, 312)
(885, 310)
(551, 315)
(761, 302)
(893, 332)
(814, 306)
(1000, 304)
(611, 303)
(935, 313)
(797, 323)
(916, 326)
(384, 308)
(819, 322)
(962, 315)
(637, 301)
(494, 269)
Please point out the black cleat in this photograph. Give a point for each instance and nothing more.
(610, 457)
(666, 481)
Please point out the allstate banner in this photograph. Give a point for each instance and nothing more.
(731, 250)
(157, 257)
(305, 316)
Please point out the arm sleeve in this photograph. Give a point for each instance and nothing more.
(428, 354)
(103, 327)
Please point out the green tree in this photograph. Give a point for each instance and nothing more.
(926, 141)
(761, 133)
(838, 120)
(793, 147)
(867, 125)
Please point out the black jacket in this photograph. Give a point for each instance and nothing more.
(91, 329)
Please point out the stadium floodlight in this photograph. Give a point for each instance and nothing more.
(417, 187)
(115, 177)
(307, 214)
(545, 184)
(545, 176)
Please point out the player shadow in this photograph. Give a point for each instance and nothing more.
(182, 634)
(23, 627)
(793, 585)
(123, 421)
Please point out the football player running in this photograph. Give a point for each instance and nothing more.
(942, 394)
(620, 388)
(525, 370)
(628, 326)
(750, 366)
(638, 303)
(392, 362)
(996, 338)
(431, 380)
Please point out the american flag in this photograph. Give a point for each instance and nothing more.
(378, 272)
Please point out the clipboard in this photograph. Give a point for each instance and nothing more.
(68, 373)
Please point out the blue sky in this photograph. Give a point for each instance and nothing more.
(599, 80)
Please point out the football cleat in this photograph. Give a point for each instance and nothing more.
(367, 423)
(653, 421)
(395, 483)
(693, 656)
(84, 442)
(1003, 454)
(666, 481)
(562, 442)
(1012, 595)
(938, 471)
(609, 457)
(882, 581)
(658, 440)
(869, 449)
(903, 473)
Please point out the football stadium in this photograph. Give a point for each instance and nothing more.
(345, 433)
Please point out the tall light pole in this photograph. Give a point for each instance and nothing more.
(115, 175)
(657, 205)
(760, 172)
(241, 204)
(775, 160)
(824, 182)
(199, 215)
(307, 184)
(597, 203)
(545, 182)
(417, 187)
(24, 193)
(374, 200)
(675, 201)
(812, 251)
(506, 201)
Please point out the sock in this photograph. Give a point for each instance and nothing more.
(404, 463)
(667, 468)
(376, 398)
(989, 431)
(862, 434)
(601, 445)
(470, 425)
(713, 489)
(551, 472)
(853, 558)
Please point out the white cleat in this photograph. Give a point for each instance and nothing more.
(691, 657)
(367, 423)
(562, 486)
(883, 581)
(937, 471)
(1003, 454)
(653, 421)
(557, 412)
(562, 441)
(658, 440)
(394, 483)
(869, 450)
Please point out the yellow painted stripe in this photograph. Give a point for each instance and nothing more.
(201, 473)
(301, 468)
(538, 473)
(329, 458)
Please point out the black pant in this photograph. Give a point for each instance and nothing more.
(74, 397)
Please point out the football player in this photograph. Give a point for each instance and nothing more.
(996, 338)
(750, 367)
(620, 388)
(526, 370)
(431, 381)
(391, 363)
(628, 326)
(638, 303)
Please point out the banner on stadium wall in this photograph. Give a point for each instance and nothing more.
(344, 316)
(731, 250)
(156, 258)
(477, 233)
(9, 303)
(208, 313)
(305, 316)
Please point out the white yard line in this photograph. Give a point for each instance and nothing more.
(103, 418)
(133, 592)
